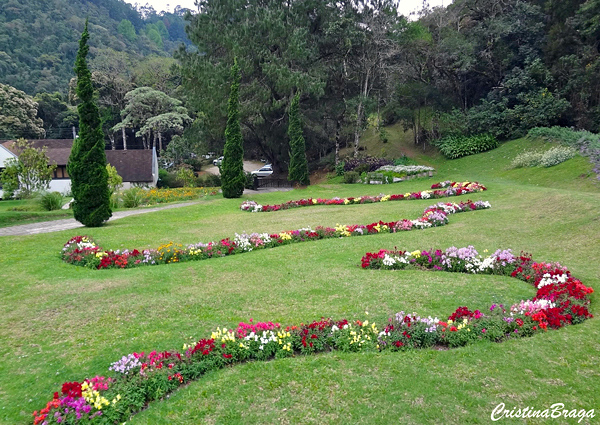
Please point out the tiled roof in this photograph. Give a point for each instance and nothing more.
(132, 165)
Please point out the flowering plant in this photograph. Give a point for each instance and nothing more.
(83, 251)
(439, 190)
(139, 378)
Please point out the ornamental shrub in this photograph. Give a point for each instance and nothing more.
(298, 170)
(350, 177)
(453, 147)
(556, 155)
(87, 163)
(51, 201)
(526, 159)
(233, 178)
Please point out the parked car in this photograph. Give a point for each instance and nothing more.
(265, 171)
(217, 162)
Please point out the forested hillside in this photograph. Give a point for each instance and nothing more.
(38, 39)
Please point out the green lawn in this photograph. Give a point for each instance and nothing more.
(63, 323)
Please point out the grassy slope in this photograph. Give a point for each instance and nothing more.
(64, 323)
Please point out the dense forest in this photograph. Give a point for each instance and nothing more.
(476, 66)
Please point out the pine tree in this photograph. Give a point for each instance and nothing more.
(298, 170)
(232, 169)
(87, 163)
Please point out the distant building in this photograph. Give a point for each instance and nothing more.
(136, 167)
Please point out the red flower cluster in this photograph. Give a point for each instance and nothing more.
(204, 346)
(71, 389)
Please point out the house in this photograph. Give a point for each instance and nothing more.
(136, 167)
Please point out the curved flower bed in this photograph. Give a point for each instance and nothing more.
(139, 378)
(83, 251)
(438, 190)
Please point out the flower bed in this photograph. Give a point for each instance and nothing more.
(560, 300)
(438, 190)
(83, 251)
(159, 196)
(139, 378)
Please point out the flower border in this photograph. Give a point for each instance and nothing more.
(139, 378)
(439, 190)
(83, 251)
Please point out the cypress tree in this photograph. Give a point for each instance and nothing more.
(87, 163)
(298, 170)
(233, 178)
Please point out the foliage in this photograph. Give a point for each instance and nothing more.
(232, 168)
(350, 177)
(132, 197)
(87, 163)
(9, 178)
(115, 181)
(18, 115)
(557, 155)
(186, 175)
(51, 201)
(209, 180)
(298, 168)
(527, 159)
(37, 39)
(30, 172)
(366, 163)
(405, 160)
(453, 147)
(339, 168)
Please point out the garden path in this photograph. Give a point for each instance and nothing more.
(71, 223)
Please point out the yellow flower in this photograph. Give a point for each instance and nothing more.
(346, 201)
(416, 254)
(314, 201)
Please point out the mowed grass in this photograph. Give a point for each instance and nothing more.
(63, 323)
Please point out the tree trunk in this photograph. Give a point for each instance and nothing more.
(160, 147)
(154, 140)
(359, 114)
(112, 142)
(124, 133)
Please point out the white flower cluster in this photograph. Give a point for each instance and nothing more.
(425, 195)
(420, 224)
(243, 242)
(547, 279)
(479, 265)
(531, 307)
(390, 260)
(408, 169)
(251, 206)
(264, 338)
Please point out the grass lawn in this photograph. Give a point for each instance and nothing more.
(63, 323)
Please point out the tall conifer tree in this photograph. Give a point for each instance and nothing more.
(87, 163)
(233, 178)
(298, 170)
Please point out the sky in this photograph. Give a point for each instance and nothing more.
(406, 6)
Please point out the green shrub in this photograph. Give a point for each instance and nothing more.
(209, 180)
(527, 159)
(453, 147)
(350, 177)
(167, 180)
(404, 160)
(339, 168)
(557, 155)
(50, 201)
(133, 197)
(249, 181)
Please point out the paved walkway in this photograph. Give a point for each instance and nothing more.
(71, 223)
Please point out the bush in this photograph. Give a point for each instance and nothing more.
(133, 197)
(249, 181)
(526, 159)
(557, 155)
(167, 180)
(350, 177)
(365, 164)
(453, 147)
(50, 201)
(339, 169)
(209, 180)
(404, 160)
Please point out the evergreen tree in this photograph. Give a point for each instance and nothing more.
(298, 170)
(232, 168)
(87, 163)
